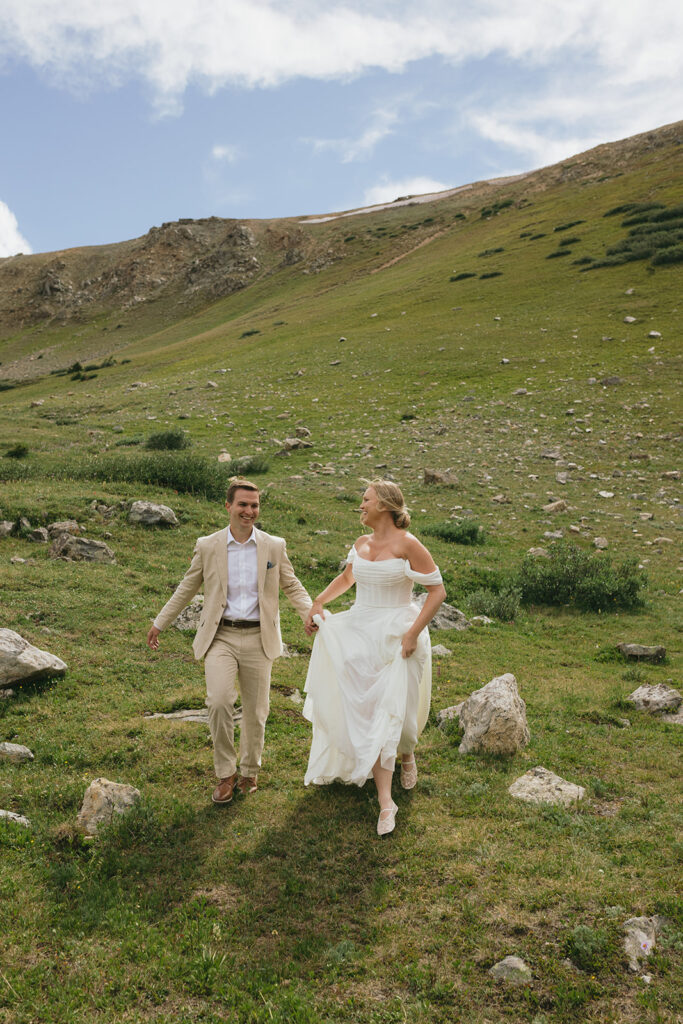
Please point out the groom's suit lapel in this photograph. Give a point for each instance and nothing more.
(221, 550)
(261, 561)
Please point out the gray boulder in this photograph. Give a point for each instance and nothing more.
(449, 714)
(638, 652)
(18, 819)
(511, 969)
(539, 786)
(639, 940)
(447, 617)
(39, 535)
(494, 718)
(146, 513)
(63, 526)
(659, 699)
(190, 616)
(21, 662)
(15, 753)
(438, 476)
(103, 799)
(6, 528)
(81, 549)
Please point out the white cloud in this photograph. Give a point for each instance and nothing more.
(382, 125)
(387, 191)
(226, 154)
(172, 43)
(11, 239)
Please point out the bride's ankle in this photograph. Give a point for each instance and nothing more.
(408, 758)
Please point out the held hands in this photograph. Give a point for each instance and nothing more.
(153, 639)
(310, 626)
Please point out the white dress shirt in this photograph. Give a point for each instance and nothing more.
(242, 596)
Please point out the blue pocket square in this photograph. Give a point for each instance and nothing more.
(270, 565)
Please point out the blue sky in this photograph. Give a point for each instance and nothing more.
(119, 116)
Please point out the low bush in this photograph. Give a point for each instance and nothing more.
(461, 277)
(558, 252)
(456, 533)
(672, 255)
(589, 949)
(168, 440)
(569, 224)
(632, 208)
(491, 273)
(503, 605)
(571, 576)
(19, 451)
(188, 474)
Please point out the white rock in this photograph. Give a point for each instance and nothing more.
(15, 753)
(147, 513)
(449, 714)
(629, 319)
(606, 494)
(601, 543)
(440, 651)
(447, 617)
(556, 506)
(659, 699)
(18, 819)
(184, 715)
(21, 662)
(224, 457)
(494, 718)
(640, 938)
(190, 616)
(481, 620)
(654, 334)
(103, 799)
(6, 527)
(539, 786)
(511, 969)
(538, 553)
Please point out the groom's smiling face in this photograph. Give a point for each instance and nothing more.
(243, 510)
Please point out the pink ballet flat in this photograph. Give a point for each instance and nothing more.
(408, 774)
(386, 822)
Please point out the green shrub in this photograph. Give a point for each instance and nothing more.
(672, 255)
(503, 605)
(569, 241)
(571, 576)
(463, 276)
(632, 208)
(558, 252)
(168, 440)
(569, 224)
(588, 948)
(183, 473)
(582, 261)
(491, 273)
(490, 252)
(456, 533)
(19, 451)
(249, 334)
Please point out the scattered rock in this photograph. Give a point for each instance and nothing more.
(539, 786)
(638, 652)
(39, 535)
(640, 938)
(629, 320)
(147, 513)
(553, 534)
(440, 651)
(21, 662)
(659, 699)
(103, 799)
(291, 444)
(504, 362)
(481, 620)
(511, 969)
(447, 616)
(494, 718)
(610, 381)
(6, 528)
(662, 540)
(551, 453)
(502, 499)
(449, 714)
(15, 753)
(18, 819)
(224, 457)
(63, 526)
(185, 715)
(189, 616)
(6, 694)
(556, 506)
(601, 543)
(654, 334)
(80, 549)
(606, 494)
(437, 476)
(670, 474)
(562, 477)
(302, 432)
(538, 553)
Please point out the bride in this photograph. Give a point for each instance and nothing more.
(369, 681)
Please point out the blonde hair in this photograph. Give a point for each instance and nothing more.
(390, 497)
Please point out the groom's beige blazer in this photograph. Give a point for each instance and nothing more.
(209, 567)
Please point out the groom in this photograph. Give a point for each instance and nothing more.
(242, 570)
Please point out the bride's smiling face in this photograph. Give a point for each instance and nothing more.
(370, 507)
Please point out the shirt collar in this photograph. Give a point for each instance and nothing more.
(233, 540)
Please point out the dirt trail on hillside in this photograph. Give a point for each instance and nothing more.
(397, 259)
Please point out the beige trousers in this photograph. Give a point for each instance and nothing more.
(237, 653)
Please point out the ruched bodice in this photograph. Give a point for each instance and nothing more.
(387, 583)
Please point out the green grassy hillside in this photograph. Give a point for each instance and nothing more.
(469, 333)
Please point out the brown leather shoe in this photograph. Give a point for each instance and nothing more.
(222, 794)
(247, 785)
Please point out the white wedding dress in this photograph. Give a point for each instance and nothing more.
(363, 698)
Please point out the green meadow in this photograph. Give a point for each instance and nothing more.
(475, 334)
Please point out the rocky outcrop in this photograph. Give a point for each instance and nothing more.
(103, 799)
(658, 700)
(147, 513)
(81, 549)
(539, 786)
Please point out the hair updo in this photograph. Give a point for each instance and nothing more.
(391, 500)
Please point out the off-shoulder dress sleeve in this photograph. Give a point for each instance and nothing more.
(426, 579)
(351, 555)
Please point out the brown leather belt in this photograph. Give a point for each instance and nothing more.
(241, 623)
